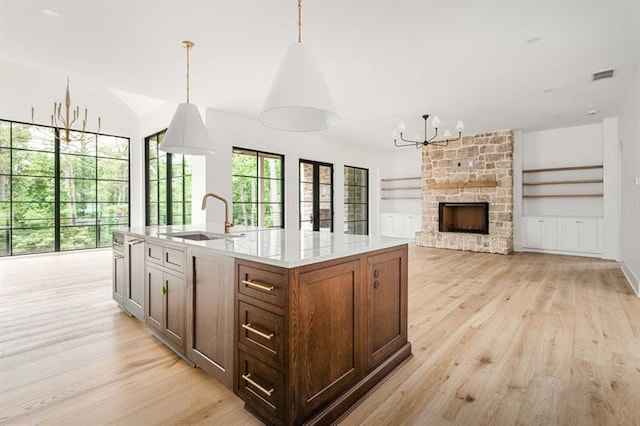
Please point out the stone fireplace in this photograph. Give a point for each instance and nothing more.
(463, 181)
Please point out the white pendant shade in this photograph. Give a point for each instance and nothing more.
(187, 133)
(299, 99)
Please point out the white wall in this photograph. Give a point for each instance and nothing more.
(228, 130)
(569, 146)
(629, 134)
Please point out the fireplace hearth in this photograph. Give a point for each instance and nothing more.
(472, 218)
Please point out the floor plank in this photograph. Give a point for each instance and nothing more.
(527, 339)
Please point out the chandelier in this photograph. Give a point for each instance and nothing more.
(435, 122)
(65, 118)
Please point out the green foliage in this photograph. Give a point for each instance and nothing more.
(28, 180)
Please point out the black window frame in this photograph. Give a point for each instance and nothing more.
(258, 154)
(58, 178)
(186, 211)
(366, 203)
(316, 194)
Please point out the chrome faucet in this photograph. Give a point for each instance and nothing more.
(227, 225)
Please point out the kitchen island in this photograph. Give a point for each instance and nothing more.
(299, 324)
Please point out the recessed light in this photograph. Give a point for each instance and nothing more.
(51, 13)
(594, 106)
(549, 89)
(533, 40)
(593, 112)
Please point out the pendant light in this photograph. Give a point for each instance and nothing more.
(187, 133)
(299, 99)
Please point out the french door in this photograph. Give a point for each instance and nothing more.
(316, 196)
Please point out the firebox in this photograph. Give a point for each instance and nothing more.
(464, 217)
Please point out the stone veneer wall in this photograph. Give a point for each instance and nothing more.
(492, 155)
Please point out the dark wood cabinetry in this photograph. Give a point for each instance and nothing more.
(312, 340)
(165, 294)
(210, 313)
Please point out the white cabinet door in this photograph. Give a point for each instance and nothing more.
(540, 233)
(579, 235)
(386, 224)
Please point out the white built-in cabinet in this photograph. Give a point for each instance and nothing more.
(401, 225)
(573, 235)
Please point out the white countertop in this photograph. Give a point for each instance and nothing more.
(279, 247)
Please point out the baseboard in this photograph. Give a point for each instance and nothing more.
(563, 252)
(634, 281)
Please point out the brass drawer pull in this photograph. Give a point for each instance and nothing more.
(135, 242)
(259, 333)
(263, 390)
(255, 284)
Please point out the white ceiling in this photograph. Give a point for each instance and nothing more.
(384, 61)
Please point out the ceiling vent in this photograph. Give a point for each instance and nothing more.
(602, 75)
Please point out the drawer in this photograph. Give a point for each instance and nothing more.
(174, 259)
(262, 284)
(154, 253)
(261, 331)
(261, 387)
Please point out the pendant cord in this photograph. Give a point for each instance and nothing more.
(299, 21)
(188, 46)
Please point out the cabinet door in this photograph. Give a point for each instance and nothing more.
(118, 278)
(387, 304)
(175, 309)
(540, 233)
(134, 302)
(154, 299)
(329, 346)
(210, 313)
(589, 236)
(386, 223)
(570, 234)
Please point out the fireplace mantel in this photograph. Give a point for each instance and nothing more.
(475, 184)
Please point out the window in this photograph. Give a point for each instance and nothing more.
(356, 200)
(57, 196)
(316, 196)
(168, 185)
(258, 189)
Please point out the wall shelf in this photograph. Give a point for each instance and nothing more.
(562, 169)
(401, 188)
(402, 178)
(564, 182)
(561, 195)
(401, 198)
(556, 176)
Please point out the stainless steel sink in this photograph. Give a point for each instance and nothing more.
(201, 236)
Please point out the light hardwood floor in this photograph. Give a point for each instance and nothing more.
(527, 339)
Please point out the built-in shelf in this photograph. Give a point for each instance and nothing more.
(408, 191)
(555, 178)
(401, 188)
(564, 182)
(561, 195)
(402, 178)
(562, 169)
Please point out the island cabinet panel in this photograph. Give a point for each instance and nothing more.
(337, 329)
(174, 300)
(329, 325)
(155, 299)
(118, 277)
(165, 295)
(134, 276)
(387, 300)
(210, 291)
(118, 270)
